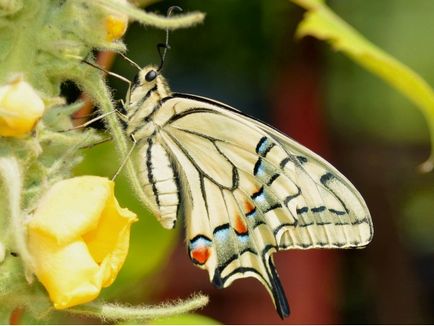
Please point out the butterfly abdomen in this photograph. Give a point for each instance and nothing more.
(160, 182)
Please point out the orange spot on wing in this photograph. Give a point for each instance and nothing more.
(240, 226)
(248, 206)
(200, 255)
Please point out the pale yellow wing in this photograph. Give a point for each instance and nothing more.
(249, 191)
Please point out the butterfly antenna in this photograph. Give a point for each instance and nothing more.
(163, 47)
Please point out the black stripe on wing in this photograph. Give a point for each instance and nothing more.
(181, 197)
(216, 103)
(150, 171)
(279, 295)
(203, 174)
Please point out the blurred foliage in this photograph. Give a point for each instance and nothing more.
(363, 106)
(323, 23)
(363, 109)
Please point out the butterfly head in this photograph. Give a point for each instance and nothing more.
(149, 80)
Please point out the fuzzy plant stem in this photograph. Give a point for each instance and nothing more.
(145, 18)
(11, 176)
(140, 313)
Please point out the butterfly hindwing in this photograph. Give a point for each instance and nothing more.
(226, 231)
(248, 191)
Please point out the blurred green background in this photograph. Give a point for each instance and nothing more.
(245, 55)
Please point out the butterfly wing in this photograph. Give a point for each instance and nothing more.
(249, 191)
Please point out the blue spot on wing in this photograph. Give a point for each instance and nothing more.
(258, 169)
(254, 218)
(244, 238)
(252, 213)
(221, 233)
(264, 146)
(261, 200)
(199, 241)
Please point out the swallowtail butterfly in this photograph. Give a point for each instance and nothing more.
(244, 189)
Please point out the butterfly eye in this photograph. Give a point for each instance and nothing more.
(151, 75)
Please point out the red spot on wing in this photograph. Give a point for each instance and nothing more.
(200, 255)
(240, 225)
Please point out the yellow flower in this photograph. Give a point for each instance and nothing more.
(78, 238)
(20, 108)
(116, 24)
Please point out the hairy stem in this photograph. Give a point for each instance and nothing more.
(140, 313)
(11, 176)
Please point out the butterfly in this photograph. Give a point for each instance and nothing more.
(244, 189)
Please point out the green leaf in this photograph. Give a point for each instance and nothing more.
(321, 22)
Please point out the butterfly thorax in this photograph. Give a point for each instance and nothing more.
(147, 92)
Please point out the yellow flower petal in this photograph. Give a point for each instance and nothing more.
(78, 238)
(68, 272)
(20, 109)
(108, 243)
(102, 240)
(72, 207)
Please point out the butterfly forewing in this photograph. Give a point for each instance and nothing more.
(245, 189)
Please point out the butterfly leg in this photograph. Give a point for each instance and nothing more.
(126, 158)
(122, 116)
(87, 123)
(68, 156)
(102, 141)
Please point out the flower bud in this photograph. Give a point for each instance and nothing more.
(116, 24)
(20, 108)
